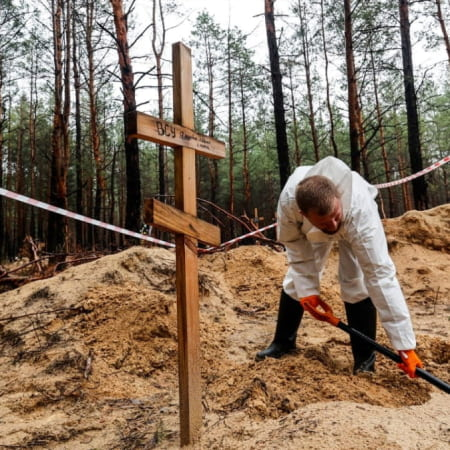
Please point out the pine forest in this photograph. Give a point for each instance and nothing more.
(366, 81)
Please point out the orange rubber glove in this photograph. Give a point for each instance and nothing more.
(319, 309)
(410, 362)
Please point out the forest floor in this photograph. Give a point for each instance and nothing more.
(89, 357)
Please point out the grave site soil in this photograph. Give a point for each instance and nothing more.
(89, 357)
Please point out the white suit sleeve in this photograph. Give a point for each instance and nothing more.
(368, 241)
(302, 277)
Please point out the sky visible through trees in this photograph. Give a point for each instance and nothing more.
(62, 99)
(248, 16)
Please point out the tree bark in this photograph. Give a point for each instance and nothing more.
(297, 151)
(19, 226)
(277, 91)
(443, 28)
(60, 132)
(100, 193)
(327, 81)
(133, 181)
(79, 226)
(381, 134)
(414, 147)
(32, 113)
(307, 63)
(158, 13)
(353, 104)
(212, 164)
(230, 128)
(245, 163)
(2, 126)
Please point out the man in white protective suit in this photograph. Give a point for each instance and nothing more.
(328, 203)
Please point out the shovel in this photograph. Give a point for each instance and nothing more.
(326, 315)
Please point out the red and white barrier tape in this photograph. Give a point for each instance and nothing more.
(72, 215)
(383, 185)
(240, 238)
(416, 175)
(107, 226)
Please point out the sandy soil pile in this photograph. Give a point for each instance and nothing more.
(89, 357)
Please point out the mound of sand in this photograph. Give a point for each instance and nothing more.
(89, 357)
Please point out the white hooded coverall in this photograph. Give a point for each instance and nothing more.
(365, 267)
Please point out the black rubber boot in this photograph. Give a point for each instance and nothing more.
(363, 317)
(290, 313)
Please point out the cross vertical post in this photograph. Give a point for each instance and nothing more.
(186, 256)
(188, 228)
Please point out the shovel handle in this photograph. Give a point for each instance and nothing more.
(325, 314)
(421, 373)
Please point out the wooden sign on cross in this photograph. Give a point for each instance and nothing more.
(187, 227)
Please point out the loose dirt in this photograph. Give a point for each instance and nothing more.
(89, 357)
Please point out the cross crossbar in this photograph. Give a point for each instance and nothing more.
(149, 128)
(168, 218)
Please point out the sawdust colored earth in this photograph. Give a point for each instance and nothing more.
(89, 357)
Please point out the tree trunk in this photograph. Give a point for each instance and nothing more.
(230, 127)
(158, 20)
(277, 91)
(112, 189)
(212, 164)
(245, 164)
(307, 63)
(362, 140)
(60, 148)
(2, 125)
(353, 105)
(9, 237)
(100, 193)
(443, 28)
(382, 140)
(133, 180)
(407, 204)
(297, 151)
(67, 106)
(415, 152)
(401, 165)
(79, 226)
(32, 113)
(327, 82)
(19, 176)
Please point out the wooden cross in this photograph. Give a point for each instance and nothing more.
(187, 227)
